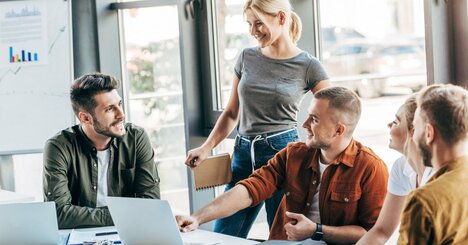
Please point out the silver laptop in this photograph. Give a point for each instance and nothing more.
(144, 221)
(29, 223)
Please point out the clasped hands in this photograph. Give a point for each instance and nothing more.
(300, 227)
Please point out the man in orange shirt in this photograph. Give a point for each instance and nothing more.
(334, 186)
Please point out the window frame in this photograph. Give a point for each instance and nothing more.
(209, 58)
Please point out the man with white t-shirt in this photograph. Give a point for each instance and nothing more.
(102, 156)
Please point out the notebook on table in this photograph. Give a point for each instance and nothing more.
(213, 171)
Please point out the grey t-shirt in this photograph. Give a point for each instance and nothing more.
(271, 90)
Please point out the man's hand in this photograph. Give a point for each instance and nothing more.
(299, 228)
(186, 223)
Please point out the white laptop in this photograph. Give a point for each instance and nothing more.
(29, 223)
(144, 221)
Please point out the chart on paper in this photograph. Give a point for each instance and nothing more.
(23, 34)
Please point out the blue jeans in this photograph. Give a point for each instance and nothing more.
(265, 147)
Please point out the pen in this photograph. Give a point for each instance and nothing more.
(106, 233)
(97, 242)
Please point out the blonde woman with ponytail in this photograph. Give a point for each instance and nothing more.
(270, 81)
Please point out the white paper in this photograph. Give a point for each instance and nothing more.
(82, 236)
(198, 237)
(23, 34)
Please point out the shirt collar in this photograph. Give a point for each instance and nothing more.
(85, 142)
(457, 163)
(347, 157)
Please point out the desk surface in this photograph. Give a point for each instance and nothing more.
(13, 197)
(198, 236)
(193, 237)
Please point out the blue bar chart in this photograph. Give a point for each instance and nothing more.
(23, 34)
(22, 55)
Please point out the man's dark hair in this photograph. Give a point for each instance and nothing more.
(84, 89)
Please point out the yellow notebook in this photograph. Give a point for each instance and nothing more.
(213, 171)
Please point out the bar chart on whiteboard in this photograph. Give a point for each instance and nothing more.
(23, 33)
(35, 73)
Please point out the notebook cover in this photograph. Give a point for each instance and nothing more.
(213, 171)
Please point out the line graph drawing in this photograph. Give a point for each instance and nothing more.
(15, 71)
(8, 71)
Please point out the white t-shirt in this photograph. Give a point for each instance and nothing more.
(314, 211)
(403, 178)
(103, 164)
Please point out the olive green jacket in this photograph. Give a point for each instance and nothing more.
(71, 174)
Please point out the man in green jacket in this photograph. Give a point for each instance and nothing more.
(102, 156)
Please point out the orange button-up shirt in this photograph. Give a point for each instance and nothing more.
(352, 189)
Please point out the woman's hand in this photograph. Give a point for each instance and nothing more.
(196, 156)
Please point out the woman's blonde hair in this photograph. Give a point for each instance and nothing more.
(272, 8)
(409, 108)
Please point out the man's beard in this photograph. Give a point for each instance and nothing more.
(101, 129)
(318, 145)
(425, 153)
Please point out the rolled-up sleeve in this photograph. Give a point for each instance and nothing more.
(263, 183)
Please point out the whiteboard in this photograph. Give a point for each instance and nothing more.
(36, 72)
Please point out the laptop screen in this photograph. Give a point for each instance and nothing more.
(28, 223)
(144, 221)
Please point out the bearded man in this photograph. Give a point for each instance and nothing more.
(102, 156)
(437, 212)
(334, 186)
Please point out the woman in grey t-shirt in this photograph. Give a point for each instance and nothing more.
(269, 83)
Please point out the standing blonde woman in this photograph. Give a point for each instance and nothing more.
(269, 83)
(408, 172)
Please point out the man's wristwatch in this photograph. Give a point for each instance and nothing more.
(318, 234)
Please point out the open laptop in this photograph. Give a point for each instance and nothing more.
(29, 223)
(144, 221)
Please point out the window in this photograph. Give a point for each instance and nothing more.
(232, 37)
(154, 92)
(350, 49)
(372, 46)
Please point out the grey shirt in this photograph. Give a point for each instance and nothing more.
(271, 90)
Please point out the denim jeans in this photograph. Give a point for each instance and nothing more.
(265, 147)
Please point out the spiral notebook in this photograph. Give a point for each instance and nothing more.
(213, 171)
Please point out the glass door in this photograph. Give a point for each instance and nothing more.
(153, 90)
